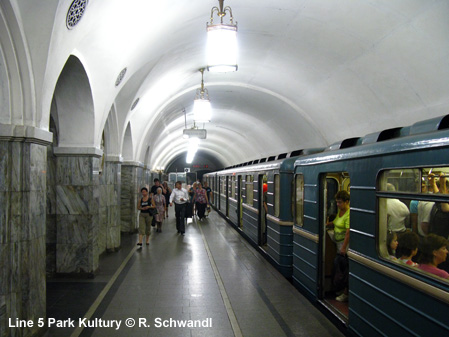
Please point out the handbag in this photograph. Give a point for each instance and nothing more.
(153, 211)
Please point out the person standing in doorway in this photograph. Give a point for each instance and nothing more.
(341, 239)
(179, 197)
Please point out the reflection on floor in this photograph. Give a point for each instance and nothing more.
(210, 273)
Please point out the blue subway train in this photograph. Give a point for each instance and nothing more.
(282, 207)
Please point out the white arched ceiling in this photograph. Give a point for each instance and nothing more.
(310, 72)
(17, 93)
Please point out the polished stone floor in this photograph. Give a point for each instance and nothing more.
(210, 278)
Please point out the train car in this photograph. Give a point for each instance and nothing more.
(257, 200)
(387, 297)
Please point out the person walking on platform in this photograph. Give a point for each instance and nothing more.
(159, 200)
(166, 191)
(201, 201)
(145, 205)
(180, 197)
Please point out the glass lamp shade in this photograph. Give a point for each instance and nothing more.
(221, 48)
(201, 110)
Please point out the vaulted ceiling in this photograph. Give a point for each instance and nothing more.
(311, 72)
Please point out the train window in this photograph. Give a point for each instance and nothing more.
(292, 198)
(232, 189)
(413, 219)
(406, 181)
(249, 189)
(277, 194)
(299, 200)
(223, 185)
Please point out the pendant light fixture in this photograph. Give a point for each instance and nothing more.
(201, 104)
(221, 47)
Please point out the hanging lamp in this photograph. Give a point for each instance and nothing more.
(221, 50)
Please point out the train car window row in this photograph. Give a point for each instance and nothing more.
(277, 195)
(413, 219)
(232, 189)
(299, 202)
(249, 195)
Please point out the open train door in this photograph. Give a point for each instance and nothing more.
(330, 183)
(240, 202)
(262, 196)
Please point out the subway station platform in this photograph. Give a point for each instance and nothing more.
(211, 281)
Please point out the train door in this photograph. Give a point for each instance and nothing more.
(214, 190)
(331, 183)
(263, 208)
(227, 194)
(220, 191)
(240, 202)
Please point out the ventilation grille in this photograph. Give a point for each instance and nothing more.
(76, 12)
(120, 77)
(135, 104)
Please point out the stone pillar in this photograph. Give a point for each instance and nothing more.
(132, 182)
(22, 227)
(110, 186)
(51, 212)
(77, 211)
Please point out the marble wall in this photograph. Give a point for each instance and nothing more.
(109, 223)
(134, 177)
(51, 212)
(77, 213)
(22, 233)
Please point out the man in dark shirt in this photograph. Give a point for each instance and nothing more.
(156, 185)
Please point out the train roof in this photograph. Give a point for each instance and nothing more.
(422, 135)
(287, 164)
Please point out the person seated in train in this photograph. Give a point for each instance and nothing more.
(341, 232)
(398, 214)
(392, 244)
(433, 250)
(425, 207)
(408, 243)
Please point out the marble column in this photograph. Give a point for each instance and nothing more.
(133, 179)
(77, 211)
(110, 186)
(22, 228)
(51, 212)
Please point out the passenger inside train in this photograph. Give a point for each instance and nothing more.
(421, 243)
(408, 243)
(341, 238)
(433, 252)
(392, 244)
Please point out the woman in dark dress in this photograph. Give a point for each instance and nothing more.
(166, 191)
